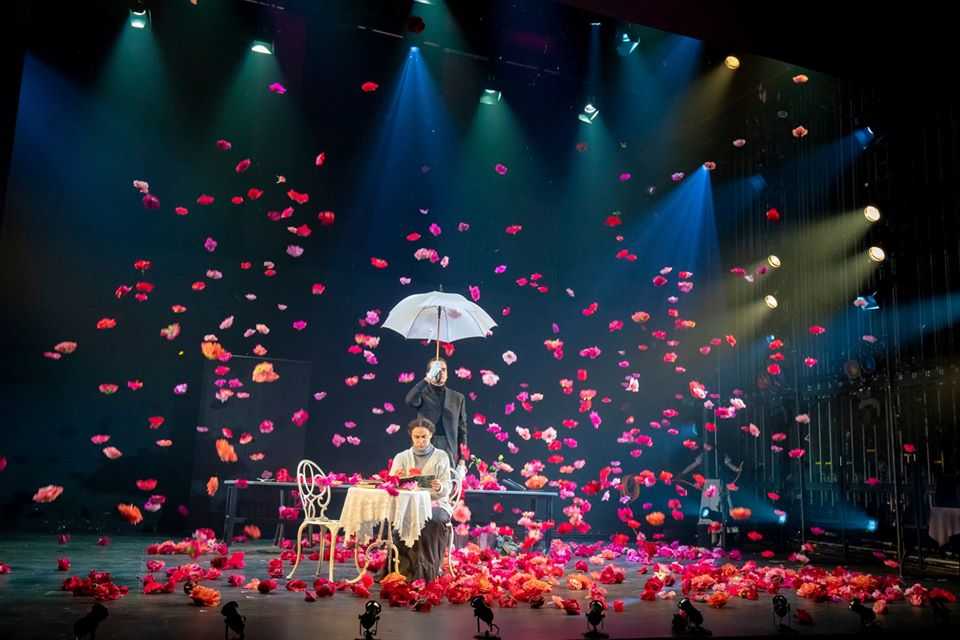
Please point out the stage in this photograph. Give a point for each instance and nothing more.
(33, 607)
(540, 295)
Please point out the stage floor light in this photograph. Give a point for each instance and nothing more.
(877, 254)
(773, 261)
(771, 302)
(871, 213)
(732, 62)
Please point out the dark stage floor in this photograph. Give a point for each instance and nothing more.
(32, 606)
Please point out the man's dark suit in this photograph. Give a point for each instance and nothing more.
(451, 417)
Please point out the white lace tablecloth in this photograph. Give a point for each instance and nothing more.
(365, 508)
(944, 523)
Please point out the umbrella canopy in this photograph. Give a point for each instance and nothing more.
(439, 316)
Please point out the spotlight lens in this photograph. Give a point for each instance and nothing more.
(871, 213)
(138, 23)
(262, 47)
(871, 525)
(732, 62)
(877, 254)
(782, 519)
(773, 261)
(705, 513)
(771, 302)
(490, 96)
(589, 108)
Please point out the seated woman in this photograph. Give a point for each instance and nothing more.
(425, 558)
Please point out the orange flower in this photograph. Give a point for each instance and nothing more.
(205, 596)
(655, 519)
(212, 485)
(740, 513)
(226, 451)
(578, 582)
(48, 493)
(392, 578)
(131, 513)
(211, 350)
(717, 599)
(164, 443)
(536, 482)
(264, 372)
(252, 531)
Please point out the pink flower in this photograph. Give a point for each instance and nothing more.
(210, 244)
(338, 440)
(47, 494)
(300, 325)
(474, 293)
(509, 357)
(277, 88)
(501, 169)
(796, 453)
(461, 514)
(300, 417)
(112, 453)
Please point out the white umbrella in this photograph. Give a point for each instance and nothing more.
(439, 316)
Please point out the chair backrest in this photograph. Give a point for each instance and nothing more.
(313, 488)
(456, 487)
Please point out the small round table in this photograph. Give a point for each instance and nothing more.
(366, 507)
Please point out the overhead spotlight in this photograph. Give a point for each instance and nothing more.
(864, 136)
(867, 302)
(594, 24)
(770, 301)
(706, 513)
(370, 619)
(732, 62)
(263, 47)
(139, 15)
(871, 213)
(490, 96)
(626, 46)
(876, 254)
(773, 261)
(782, 518)
(781, 612)
(589, 113)
(871, 525)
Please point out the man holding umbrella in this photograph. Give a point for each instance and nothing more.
(445, 317)
(444, 407)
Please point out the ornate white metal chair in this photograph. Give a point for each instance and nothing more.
(315, 496)
(456, 497)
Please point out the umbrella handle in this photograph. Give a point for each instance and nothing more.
(437, 357)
